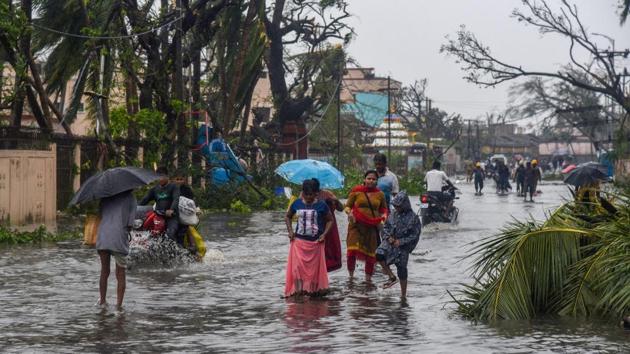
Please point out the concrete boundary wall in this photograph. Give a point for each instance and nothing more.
(28, 187)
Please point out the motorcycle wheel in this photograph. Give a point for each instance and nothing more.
(454, 215)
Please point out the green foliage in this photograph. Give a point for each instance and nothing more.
(575, 263)
(12, 237)
(353, 177)
(237, 198)
(238, 207)
(412, 182)
(151, 125)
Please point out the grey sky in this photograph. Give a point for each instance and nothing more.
(402, 38)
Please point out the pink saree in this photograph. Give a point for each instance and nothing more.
(306, 264)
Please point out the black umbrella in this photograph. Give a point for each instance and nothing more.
(113, 181)
(586, 173)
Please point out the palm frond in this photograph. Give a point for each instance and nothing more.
(575, 263)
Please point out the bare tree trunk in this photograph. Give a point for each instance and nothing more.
(17, 106)
(230, 108)
(245, 114)
(196, 99)
(178, 91)
(131, 103)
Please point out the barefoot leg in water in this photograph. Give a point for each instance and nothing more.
(121, 278)
(105, 269)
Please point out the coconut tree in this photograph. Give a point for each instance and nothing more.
(575, 263)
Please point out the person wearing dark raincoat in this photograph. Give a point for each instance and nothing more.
(401, 234)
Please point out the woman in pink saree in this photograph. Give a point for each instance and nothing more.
(306, 264)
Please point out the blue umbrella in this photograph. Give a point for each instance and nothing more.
(296, 171)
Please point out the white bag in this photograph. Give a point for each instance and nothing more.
(187, 211)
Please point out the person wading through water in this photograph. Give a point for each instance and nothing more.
(387, 180)
(306, 265)
(401, 234)
(117, 217)
(367, 209)
(478, 177)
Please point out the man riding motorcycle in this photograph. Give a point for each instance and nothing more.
(435, 181)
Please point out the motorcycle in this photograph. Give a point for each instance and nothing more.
(154, 222)
(435, 207)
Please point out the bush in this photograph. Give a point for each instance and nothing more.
(412, 182)
(41, 234)
(239, 198)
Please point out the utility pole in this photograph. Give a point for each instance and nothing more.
(469, 148)
(341, 62)
(611, 56)
(389, 120)
(478, 152)
(429, 132)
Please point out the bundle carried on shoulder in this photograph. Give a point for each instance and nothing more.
(187, 211)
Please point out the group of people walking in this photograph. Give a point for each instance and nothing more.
(526, 176)
(382, 228)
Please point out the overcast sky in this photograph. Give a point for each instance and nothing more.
(402, 38)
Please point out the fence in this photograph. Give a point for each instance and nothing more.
(28, 186)
(622, 170)
(76, 158)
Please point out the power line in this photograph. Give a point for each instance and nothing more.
(316, 123)
(133, 35)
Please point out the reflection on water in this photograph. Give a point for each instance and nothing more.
(233, 300)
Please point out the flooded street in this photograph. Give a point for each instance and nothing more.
(232, 301)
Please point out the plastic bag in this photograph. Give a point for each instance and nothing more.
(187, 211)
(200, 245)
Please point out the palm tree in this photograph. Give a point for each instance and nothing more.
(575, 263)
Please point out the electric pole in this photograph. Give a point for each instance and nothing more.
(469, 147)
(341, 65)
(478, 152)
(389, 120)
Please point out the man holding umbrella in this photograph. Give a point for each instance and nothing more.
(117, 212)
(117, 216)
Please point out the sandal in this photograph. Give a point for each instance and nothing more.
(391, 282)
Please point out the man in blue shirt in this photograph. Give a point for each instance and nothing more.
(387, 180)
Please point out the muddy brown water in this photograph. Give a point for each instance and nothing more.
(232, 301)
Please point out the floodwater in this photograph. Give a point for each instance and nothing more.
(232, 301)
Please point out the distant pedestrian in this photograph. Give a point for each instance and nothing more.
(117, 216)
(519, 178)
(478, 177)
(503, 175)
(387, 180)
(537, 171)
(531, 177)
(401, 234)
(367, 209)
(306, 265)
